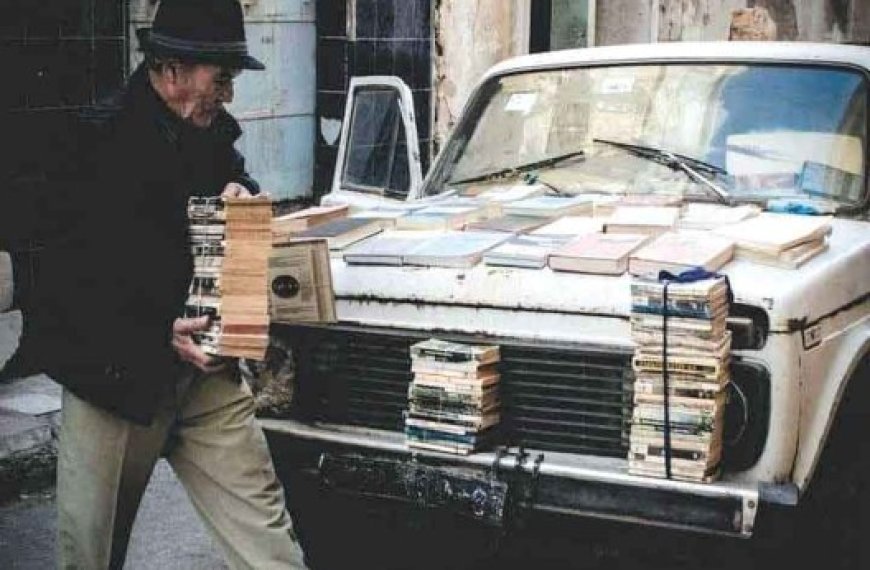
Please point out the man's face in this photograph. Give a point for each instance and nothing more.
(202, 91)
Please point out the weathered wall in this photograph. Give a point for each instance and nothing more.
(470, 37)
(623, 22)
(626, 21)
(276, 106)
(369, 37)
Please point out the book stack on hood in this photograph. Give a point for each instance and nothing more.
(688, 339)
(453, 402)
(230, 241)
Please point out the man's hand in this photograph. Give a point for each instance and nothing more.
(187, 349)
(235, 190)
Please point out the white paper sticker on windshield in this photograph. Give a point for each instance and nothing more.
(521, 102)
(616, 85)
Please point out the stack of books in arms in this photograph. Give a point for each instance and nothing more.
(287, 226)
(207, 229)
(698, 349)
(453, 401)
(230, 274)
(779, 240)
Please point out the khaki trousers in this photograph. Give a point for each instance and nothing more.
(216, 447)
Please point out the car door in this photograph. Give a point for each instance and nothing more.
(378, 160)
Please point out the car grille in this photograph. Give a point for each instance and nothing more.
(553, 398)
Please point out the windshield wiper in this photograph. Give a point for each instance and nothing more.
(677, 162)
(544, 163)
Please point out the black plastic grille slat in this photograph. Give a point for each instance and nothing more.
(555, 400)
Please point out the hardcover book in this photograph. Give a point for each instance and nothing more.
(454, 249)
(570, 226)
(699, 216)
(441, 217)
(508, 223)
(386, 248)
(284, 227)
(772, 233)
(649, 220)
(342, 232)
(550, 206)
(524, 251)
(300, 282)
(446, 351)
(597, 253)
(679, 251)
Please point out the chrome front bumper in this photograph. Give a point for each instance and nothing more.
(566, 484)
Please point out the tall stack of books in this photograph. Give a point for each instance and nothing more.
(207, 221)
(453, 402)
(695, 351)
(244, 278)
(231, 241)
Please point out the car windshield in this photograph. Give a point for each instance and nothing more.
(741, 132)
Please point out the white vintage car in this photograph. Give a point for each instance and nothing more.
(729, 123)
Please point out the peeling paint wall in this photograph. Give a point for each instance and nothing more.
(471, 37)
(696, 20)
(623, 22)
(796, 20)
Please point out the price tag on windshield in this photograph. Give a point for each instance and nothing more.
(616, 85)
(521, 102)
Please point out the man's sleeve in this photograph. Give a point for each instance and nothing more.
(240, 175)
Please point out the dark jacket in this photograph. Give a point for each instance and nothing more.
(108, 291)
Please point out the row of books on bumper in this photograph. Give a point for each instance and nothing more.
(682, 375)
(563, 233)
(453, 399)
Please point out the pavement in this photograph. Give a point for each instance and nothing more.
(29, 421)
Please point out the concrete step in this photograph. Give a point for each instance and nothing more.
(29, 422)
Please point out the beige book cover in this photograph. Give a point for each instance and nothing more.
(300, 283)
(651, 220)
(679, 251)
(772, 233)
(597, 253)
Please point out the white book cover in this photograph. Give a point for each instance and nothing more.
(661, 216)
(570, 226)
(513, 193)
(709, 216)
(549, 205)
(454, 249)
(386, 248)
(525, 250)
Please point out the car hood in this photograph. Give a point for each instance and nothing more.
(835, 279)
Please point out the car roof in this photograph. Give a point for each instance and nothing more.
(726, 52)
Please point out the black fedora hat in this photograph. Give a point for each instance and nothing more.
(208, 31)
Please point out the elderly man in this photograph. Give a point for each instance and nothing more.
(110, 294)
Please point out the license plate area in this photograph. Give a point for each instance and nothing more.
(463, 491)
